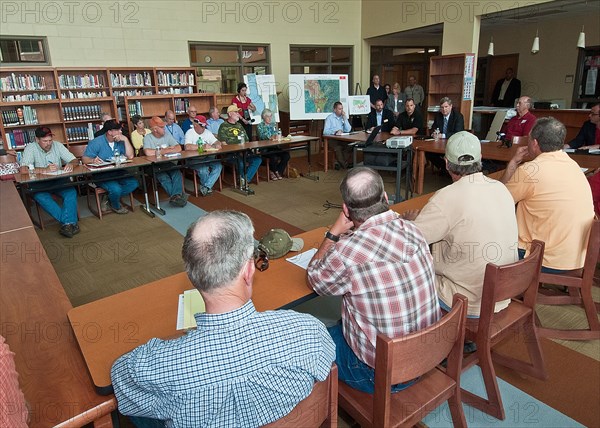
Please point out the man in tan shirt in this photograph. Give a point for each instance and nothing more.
(553, 197)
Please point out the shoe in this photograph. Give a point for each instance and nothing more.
(204, 190)
(210, 191)
(120, 210)
(337, 166)
(272, 176)
(66, 230)
(75, 229)
(469, 347)
(185, 196)
(104, 203)
(279, 177)
(177, 201)
(242, 183)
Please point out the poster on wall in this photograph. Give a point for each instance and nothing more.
(262, 90)
(312, 95)
(358, 104)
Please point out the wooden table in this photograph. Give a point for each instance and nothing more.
(13, 214)
(109, 327)
(489, 151)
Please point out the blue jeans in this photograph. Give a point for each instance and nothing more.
(208, 172)
(65, 215)
(544, 269)
(254, 162)
(118, 188)
(171, 181)
(353, 371)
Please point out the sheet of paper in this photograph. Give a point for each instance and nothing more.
(302, 259)
(594, 151)
(193, 304)
(57, 172)
(180, 313)
(569, 150)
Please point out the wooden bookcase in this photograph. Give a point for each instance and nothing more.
(69, 100)
(451, 76)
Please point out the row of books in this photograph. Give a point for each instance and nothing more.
(70, 95)
(19, 138)
(188, 90)
(131, 79)
(25, 115)
(82, 133)
(181, 105)
(22, 82)
(29, 97)
(119, 95)
(177, 79)
(81, 81)
(135, 108)
(71, 113)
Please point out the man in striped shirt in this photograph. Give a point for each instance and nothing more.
(382, 267)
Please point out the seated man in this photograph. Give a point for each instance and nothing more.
(554, 200)
(105, 148)
(208, 172)
(232, 132)
(239, 367)
(170, 180)
(172, 128)
(50, 155)
(521, 124)
(214, 120)
(336, 124)
(380, 117)
(382, 267)
(470, 223)
(410, 121)
(447, 122)
(589, 134)
(188, 123)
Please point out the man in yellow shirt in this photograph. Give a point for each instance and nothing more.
(553, 197)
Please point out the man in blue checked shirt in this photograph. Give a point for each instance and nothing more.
(337, 124)
(239, 367)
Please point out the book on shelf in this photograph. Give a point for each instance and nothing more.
(22, 82)
(19, 138)
(29, 97)
(82, 133)
(77, 95)
(80, 81)
(120, 95)
(175, 78)
(135, 107)
(91, 112)
(131, 79)
(25, 115)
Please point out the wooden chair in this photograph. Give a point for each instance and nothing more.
(579, 284)
(319, 409)
(405, 358)
(98, 192)
(501, 283)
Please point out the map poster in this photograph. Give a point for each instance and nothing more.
(358, 104)
(262, 90)
(312, 95)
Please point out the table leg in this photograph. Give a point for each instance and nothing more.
(326, 151)
(146, 207)
(398, 196)
(157, 207)
(420, 171)
(310, 175)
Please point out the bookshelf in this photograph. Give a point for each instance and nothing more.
(70, 100)
(451, 76)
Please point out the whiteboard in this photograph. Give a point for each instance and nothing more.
(312, 95)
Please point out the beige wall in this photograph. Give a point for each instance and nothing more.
(156, 33)
(543, 75)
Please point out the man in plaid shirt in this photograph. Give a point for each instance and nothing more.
(382, 267)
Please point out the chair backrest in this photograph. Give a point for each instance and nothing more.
(78, 150)
(510, 281)
(592, 254)
(316, 410)
(408, 357)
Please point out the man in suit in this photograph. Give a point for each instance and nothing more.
(589, 134)
(448, 120)
(380, 117)
(507, 90)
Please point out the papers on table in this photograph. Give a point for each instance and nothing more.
(190, 303)
(569, 150)
(57, 172)
(302, 259)
(594, 151)
(584, 170)
(173, 155)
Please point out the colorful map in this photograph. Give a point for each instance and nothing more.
(320, 95)
(262, 90)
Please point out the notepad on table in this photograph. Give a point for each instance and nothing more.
(303, 259)
(190, 303)
(57, 172)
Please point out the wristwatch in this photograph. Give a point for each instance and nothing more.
(332, 237)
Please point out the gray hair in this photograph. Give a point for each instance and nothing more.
(446, 100)
(462, 170)
(549, 133)
(213, 108)
(363, 193)
(266, 112)
(216, 247)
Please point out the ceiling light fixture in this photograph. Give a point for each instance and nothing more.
(491, 46)
(535, 48)
(581, 40)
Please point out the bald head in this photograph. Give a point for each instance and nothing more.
(363, 194)
(216, 248)
(169, 117)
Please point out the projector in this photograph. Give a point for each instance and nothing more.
(399, 142)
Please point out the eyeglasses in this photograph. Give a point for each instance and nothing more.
(261, 259)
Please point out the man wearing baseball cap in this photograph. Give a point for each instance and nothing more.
(47, 155)
(170, 180)
(198, 136)
(104, 148)
(232, 132)
(470, 223)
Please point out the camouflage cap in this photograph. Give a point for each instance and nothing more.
(277, 243)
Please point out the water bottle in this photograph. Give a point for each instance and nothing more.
(241, 138)
(31, 170)
(158, 153)
(200, 145)
(117, 158)
(436, 134)
(279, 136)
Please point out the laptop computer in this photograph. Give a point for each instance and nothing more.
(371, 138)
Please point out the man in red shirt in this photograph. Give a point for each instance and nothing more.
(521, 124)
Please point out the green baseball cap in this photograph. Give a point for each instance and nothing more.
(277, 243)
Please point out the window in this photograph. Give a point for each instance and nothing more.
(19, 50)
(222, 66)
(322, 59)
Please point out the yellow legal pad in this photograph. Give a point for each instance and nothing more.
(193, 303)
